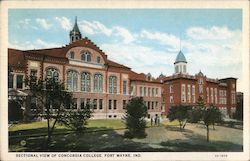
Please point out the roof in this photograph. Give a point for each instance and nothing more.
(114, 64)
(180, 58)
(133, 76)
(16, 58)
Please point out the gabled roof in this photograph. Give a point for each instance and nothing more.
(133, 76)
(180, 58)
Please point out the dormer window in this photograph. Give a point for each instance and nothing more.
(72, 55)
(98, 59)
(86, 56)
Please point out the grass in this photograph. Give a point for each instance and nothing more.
(108, 136)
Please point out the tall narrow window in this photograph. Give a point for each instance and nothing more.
(110, 104)
(112, 84)
(148, 105)
(156, 91)
(85, 82)
(153, 92)
(98, 82)
(72, 55)
(52, 73)
(140, 91)
(145, 91)
(183, 93)
(124, 104)
(148, 92)
(207, 95)
(215, 95)
(212, 95)
(95, 104)
(72, 80)
(171, 89)
(189, 93)
(124, 87)
(82, 103)
(98, 59)
(19, 81)
(152, 105)
(193, 93)
(10, 81)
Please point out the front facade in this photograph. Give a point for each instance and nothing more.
(92, 77)
(88, 74)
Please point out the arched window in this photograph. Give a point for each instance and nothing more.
(52, 73)
(112, 84)
(85, 82)
(98, 81)
(86, 56)
(72, 80)
(98, 59)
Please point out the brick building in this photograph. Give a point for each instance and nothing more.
(92, 77)
(184, 89)
(88, 73)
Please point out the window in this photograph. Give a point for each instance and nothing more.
(85, 82)
(82, 103)
(193, 93)
(156, 91)
(171, 99)
(140, 91)
(98, 59)
(156, 105)
(171, 89)
(184, 69)
(124, 87)
(183, 93)
(10, 81)
(72, 80)
(233, 86)
(115, 102)
(98, 82)
(148, 105)
(112, 84)
(95, 104)
(153, 92)
(189, 93)
(19, 81)
(33, 73)
(212, 95)
(152, 105)
(124, 104)
(207, 95)
(148, 92)
(52, 73)
(86, 56)
(110, 104)
(145, 91)
(215, 95)
(100, 104)
(72, 55)
(74, 103)
(131, 90)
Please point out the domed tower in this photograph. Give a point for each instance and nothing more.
(75, 33)
(180, 64)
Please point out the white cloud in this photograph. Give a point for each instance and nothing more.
(64, 22)
(163, 38)
(125, 34)
(28, 45)
(43, 23)
(213, 33)
(26, 24)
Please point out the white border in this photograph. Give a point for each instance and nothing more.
(241, 4)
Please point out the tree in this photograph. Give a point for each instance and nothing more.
(180, 113)
(211, 115)
(52, 100)
(136, 111)
(196, 113)
(77, 119)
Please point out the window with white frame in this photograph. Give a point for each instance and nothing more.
(98, 82)
(171, 89)
(113, 84)
(156, 91)
(212, 95)
(140, 91)
(183, 93)
(145, 91)
(85, 82)
(86, 56)
(52, 73)
(148, 91)
(189, 93)
(72, 80)
(171, 99)
(215, 95)
(124, 87)
(153, 92)
(193, 93)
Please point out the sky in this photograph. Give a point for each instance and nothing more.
(147, 40)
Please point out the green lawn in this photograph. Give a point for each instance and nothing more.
(107, 135)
